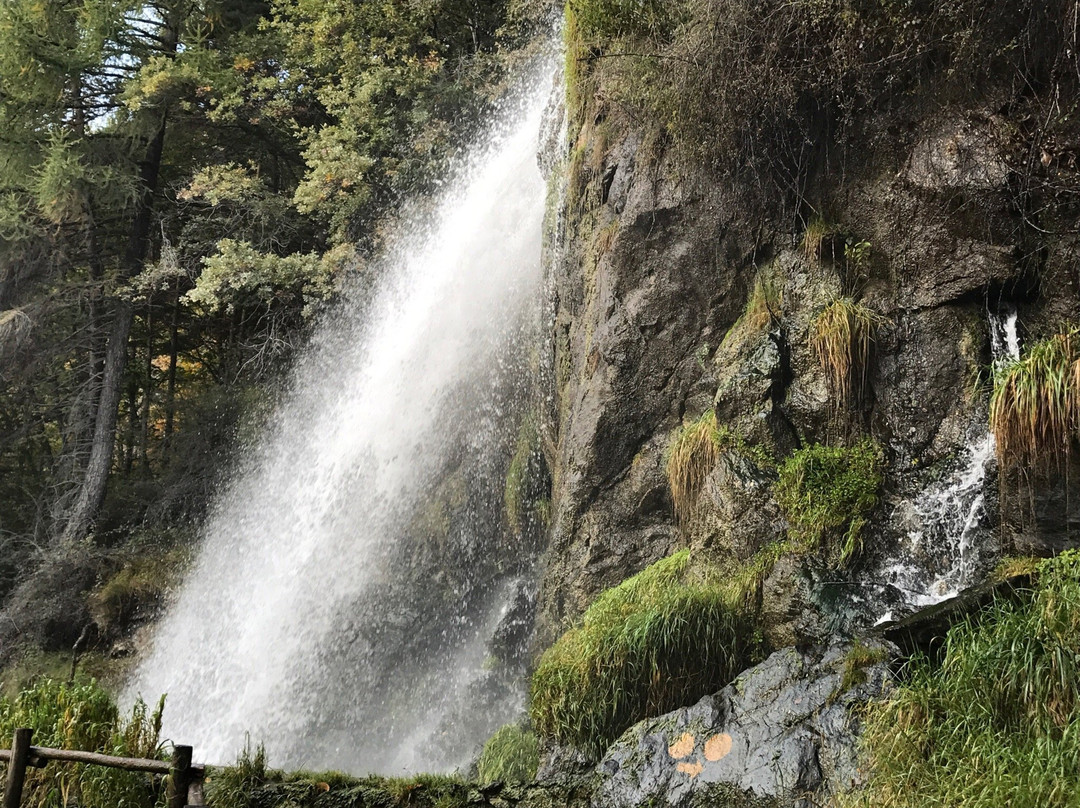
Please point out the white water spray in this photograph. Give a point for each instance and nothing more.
(299, 623)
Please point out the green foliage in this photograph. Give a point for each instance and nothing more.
(1035, 406)
(827, 493)
(241, 277)
(137, 587)
(84, 717)
(843, 337)
(1002, 710)
(655, 642)
(599, 21)
(511, 755)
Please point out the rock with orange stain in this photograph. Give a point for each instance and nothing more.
(682, 747)
(717, 747)
(690, 769)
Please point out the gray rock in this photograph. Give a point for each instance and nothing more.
(782, 731)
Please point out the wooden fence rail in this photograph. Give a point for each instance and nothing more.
(184, 785)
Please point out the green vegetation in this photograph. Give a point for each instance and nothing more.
(250, 784)
(655, 642)
(83, 716)
(511, 755)
(859, 658)
(1035, 406)
(843, 337)
(827, 493)
(996, 723)
(517, 475)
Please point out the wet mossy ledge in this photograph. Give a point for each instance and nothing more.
(659, 640)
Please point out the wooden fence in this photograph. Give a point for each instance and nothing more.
(185, 781)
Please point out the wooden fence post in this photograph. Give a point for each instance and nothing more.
(179, 777)
(20, 753)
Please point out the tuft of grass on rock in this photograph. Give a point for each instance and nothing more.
(693, 453)
(998, 722)
(843, 337)
(1035, 405)
(827, 493)
(510, 755)
(655, 642)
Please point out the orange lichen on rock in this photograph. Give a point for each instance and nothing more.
(682, 747)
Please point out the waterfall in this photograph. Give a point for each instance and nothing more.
(940, 551)
(318, 617)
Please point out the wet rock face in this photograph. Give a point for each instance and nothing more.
(785, 731)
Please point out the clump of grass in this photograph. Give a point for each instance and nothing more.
(1035, 406)
(997, 723)
(511, 754)
(691, 457)
(843, 337)
(827, 492)
(84, 717)
(138, 587)
(764, 308)
(655, 642)
(819, 241)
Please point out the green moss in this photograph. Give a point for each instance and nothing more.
(996, 723)
(138, 587)
(516, 503)
(511, 755)
(858, 658)
(826, 494)
(657, 641)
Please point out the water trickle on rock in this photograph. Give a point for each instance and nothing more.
(939, 556)
(353, 571)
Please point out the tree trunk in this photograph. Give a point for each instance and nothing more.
(170, 390)
(92, 490)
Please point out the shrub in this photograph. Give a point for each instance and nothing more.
(827, 492)
(84, 717)
(1035, 406)
(512, 755)
(998, 722)
(657, 641)
(844, 334)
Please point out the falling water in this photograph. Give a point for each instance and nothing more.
(948, 515)
(319, 618)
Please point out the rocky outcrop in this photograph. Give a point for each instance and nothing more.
(783, 731)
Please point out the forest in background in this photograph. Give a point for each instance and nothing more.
(184, 185)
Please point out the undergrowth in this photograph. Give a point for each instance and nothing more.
(511, 754)
(998, 722)
(1035, 406)
(827, 493)
(843, 338)
(83, 716)
(655, 642)
(764, 308)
